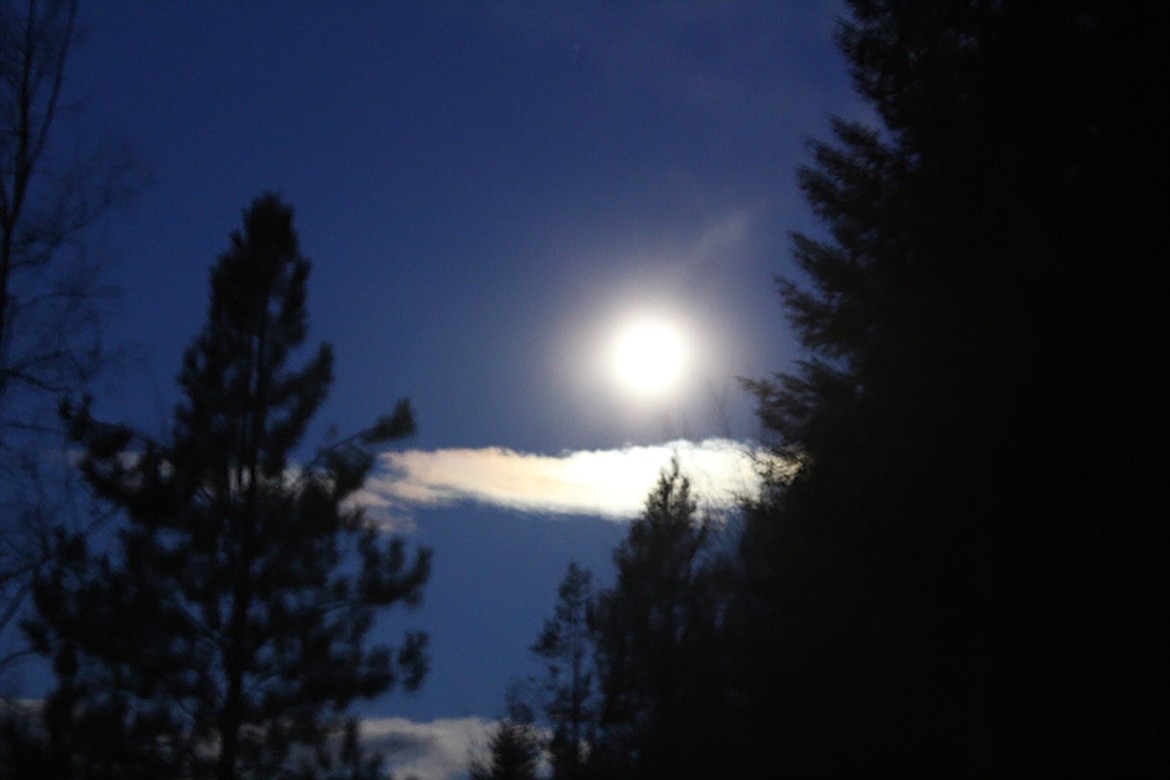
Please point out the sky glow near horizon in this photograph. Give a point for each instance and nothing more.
(612, 484)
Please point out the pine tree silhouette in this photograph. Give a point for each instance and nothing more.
(226, 631)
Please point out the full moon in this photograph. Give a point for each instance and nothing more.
(648, 357)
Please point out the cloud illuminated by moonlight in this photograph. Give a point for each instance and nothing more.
(434, 750)
(607, 483)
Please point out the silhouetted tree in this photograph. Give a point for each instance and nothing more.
(514, 748)
(958, 578)
(652, 635)
(49, 339)
(565, 645)
(225, 633)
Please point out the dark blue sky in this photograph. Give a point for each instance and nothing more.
(486, 192)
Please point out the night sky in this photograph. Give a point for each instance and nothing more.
(489, 193)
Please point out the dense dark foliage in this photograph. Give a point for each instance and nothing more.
(963, 576)
(225, 633)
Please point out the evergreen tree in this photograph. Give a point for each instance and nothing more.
(225, 633)
(957, 575)
(566, 646)
(514, 748)
(653, 639)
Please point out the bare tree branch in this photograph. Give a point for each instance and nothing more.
(50, 345)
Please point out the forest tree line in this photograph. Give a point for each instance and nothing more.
(954, 565)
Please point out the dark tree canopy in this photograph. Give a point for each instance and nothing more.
(225, 632)
(966, 561)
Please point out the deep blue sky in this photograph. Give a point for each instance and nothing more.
(485, 191)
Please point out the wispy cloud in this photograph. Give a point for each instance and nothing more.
(607, 483)
(434, 750)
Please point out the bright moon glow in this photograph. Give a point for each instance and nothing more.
(648, 357)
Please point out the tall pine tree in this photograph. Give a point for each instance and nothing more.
(655, 635)
(226, 632)
(962, 576)
(565, 646)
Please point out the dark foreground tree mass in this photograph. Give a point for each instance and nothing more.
(965, 574)
(225, 634)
